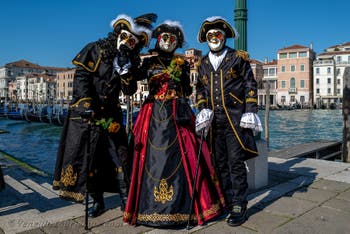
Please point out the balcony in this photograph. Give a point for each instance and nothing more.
(292, 90)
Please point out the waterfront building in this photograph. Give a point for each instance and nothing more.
(270, 77)
(257, 68)
(11, 71)
(328, 75)
(295, 75)
(64, 85)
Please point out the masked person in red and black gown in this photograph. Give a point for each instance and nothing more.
(93, 150)
(226, 86)
(166, 146)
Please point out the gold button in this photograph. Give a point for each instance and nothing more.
(102, 107)
(217, 105)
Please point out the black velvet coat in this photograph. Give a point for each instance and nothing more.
(101, 143)
(230, 91)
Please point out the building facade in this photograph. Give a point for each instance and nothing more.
(295, 76)
(328, 75)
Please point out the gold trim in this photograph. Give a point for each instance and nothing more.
(56, 183)
(239, 100)
(162, 148)
(87, 68)
(163, 217)
(162, 120)
(242, 54)
(79, 197)
(201, 101)
(81, 100)
(228, 116)
(254, 100)
(126, 81)
(171, 175)
(212, 90)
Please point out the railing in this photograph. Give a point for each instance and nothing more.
(292, 90)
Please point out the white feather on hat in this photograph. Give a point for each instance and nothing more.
(133, 27)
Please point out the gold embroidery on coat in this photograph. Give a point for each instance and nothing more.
(231, 74)
(242, 54)
(251, 93)
(164, 193)
(205, 80)
(68, 177)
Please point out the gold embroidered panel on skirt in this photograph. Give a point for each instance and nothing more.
(68, 177)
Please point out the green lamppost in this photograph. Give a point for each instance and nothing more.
(241, 24)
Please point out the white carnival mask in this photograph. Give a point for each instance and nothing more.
(216, 39)
(127, 38)
(167, 41)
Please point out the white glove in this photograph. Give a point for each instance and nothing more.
(203, 121)
(252, 121)
(121, 70)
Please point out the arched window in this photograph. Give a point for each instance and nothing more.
(292, 82)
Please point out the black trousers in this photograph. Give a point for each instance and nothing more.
(229, 163)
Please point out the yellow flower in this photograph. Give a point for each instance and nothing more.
(113, 127)
(179, 61)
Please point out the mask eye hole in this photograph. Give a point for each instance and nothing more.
(132, 41)
(123, 36)
(172, 38)
(165, 37)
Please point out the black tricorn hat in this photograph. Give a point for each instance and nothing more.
(140, 26)
(216, 22)
(173, 27)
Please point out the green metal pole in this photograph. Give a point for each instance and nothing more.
(241, 24)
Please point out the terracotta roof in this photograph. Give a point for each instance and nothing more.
(294, 47)
(273, 62)
(254, 61)
(22, 63)
(26, 64)
(340, 45)
(334, 53)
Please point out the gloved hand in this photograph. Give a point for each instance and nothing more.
(252, 121)
(203, 121)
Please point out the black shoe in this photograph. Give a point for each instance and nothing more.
(238, 215)
(96, 210)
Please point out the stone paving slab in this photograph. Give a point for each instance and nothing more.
(288, 207)
(258, 220)
(330, 185)
(320, 220)
(345, 195)
(314, 195)
(338, 204)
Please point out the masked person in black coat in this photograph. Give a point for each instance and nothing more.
(226, 86)
(93, 149)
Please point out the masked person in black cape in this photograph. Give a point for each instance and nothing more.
(93, 149)
(226, 86)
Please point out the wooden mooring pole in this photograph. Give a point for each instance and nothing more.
(346, 115)
(267, 112)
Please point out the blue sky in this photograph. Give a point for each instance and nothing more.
(51, 33)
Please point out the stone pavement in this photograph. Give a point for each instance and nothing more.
(302, 196)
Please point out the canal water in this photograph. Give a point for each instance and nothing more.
(36, 143)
